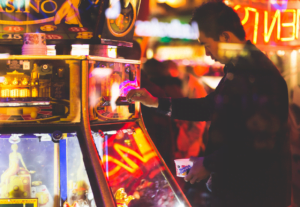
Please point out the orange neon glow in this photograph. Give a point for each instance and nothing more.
(246, 14)
(269, 28)
(297, 23)
(141, 141)
(255, 23)
(246, 17)
(290, 24)
(267, 34)
(146, 153)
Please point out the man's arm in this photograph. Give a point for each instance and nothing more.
(198, 109)
(181, 108)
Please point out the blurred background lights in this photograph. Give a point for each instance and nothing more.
(114, 10)
(51, 50)
(280, 52)
(80, 49)
(185, 62)
(102, 72)
(112, 51)
(149, 53)
(173, 3)
(4, 55)
(180, 205)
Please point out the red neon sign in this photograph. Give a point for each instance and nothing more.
(265, 27)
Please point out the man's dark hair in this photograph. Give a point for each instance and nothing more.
(213, 18)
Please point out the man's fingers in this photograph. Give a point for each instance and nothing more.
(132, 94)
(137, 98)
(188, 177)
(193, 180)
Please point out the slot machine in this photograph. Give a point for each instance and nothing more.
(68, 137)
(131, 163)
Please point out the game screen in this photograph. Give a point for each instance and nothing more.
(37, 91)
(134, 171)
(109, 83)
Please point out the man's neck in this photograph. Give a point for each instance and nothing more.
(242, 53)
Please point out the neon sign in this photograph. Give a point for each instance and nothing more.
(36, 6)
(174, 29)
(283, 25)
(68, 11)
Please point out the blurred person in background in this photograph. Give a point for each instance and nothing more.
(158, 74)
(247, 161)
(163, 128)
(190, 136)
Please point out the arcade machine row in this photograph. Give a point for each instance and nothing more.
(44, 151)
(78, 147)
(68, 136)
(69, 21)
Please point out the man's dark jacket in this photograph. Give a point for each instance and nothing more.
(248, 151)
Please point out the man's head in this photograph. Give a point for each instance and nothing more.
(218, 23)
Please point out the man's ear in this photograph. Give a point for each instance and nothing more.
(225, 37)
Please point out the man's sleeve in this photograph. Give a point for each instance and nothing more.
(199, 109)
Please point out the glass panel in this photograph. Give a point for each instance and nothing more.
(39, 90)
(79, 188)
(32, 166)
(109, 84)
(27, 167)
(135, 173)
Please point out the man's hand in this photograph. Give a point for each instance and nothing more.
(197, 172)
(143, 96)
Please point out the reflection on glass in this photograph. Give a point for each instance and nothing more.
(79, 188)
(32, 166)
(109, 84)
(133, 169)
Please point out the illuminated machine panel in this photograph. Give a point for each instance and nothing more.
(70, 21)
(109, 82)
(38, 90)
(34, 167)
(135, 171)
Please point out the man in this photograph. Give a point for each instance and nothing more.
(247, 155)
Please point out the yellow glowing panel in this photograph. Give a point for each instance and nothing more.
(12, 202)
